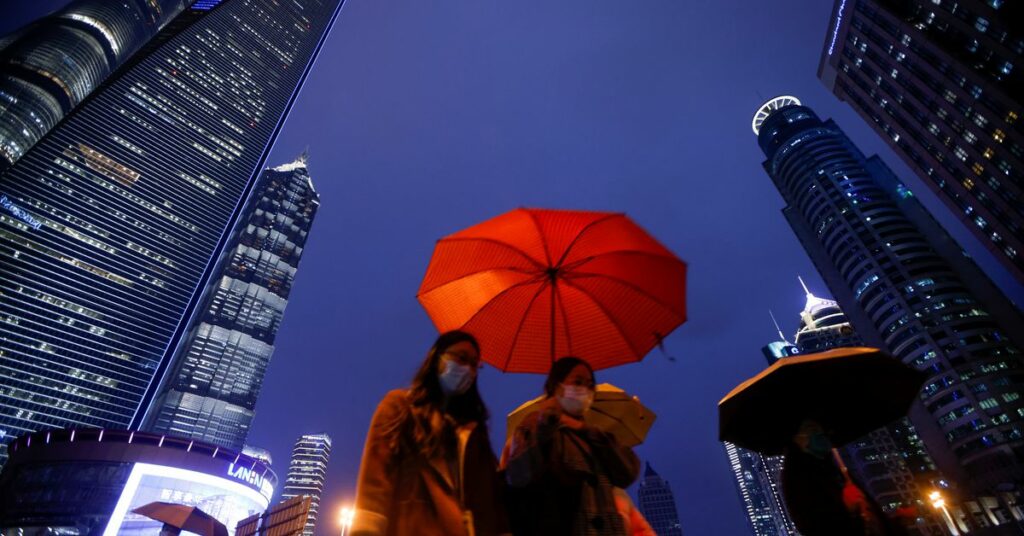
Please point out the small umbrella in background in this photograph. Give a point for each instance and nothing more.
(533, 285)
(181, 517)
(614, 411)
(849, 391)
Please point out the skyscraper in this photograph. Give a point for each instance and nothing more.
(50, 66)
(907, 288)
(942, 82)
(211, 394)
(658, 504)
(307, 474)
(758, 483)
(112, 225)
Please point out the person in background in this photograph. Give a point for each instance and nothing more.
(821, 497)
(427, 467)
(562, 472)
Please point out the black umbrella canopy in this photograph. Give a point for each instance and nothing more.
(849, 391)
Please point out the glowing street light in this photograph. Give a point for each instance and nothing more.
(347, 516)
(939, 503)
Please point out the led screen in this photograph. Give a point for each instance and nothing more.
(225, 499)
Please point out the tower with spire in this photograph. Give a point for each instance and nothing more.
(211, 394)
(658, 504)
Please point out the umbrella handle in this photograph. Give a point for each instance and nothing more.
(842, 465)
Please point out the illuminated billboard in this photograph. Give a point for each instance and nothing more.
(230, 498)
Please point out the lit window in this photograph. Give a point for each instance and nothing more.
(977, 168)
(999, 135)
(989, 152)
(960, 153)
(1011, 116)
(981, 24)
(1006, 68)
(968, 184)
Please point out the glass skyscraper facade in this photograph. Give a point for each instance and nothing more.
(942, 81)
(112, 225)
(211, 393)
(759, 485)
(307, 474)
(50, 66)
(658, 504)
(908, 289)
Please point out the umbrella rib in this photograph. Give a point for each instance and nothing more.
(495, 241)
(631, 286)
(658, 256)
(519, 328)
(540, 233)
(565, 319)
(584, 230)
(471, 274)
(609, 316)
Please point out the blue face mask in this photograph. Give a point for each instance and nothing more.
(456, 379)
(576, 399)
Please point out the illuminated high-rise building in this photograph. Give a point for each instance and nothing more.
(906, 288)
(211, 393)
(307, 474)
(50, 66)
(943, 83)
(759, 485)
(113, 224)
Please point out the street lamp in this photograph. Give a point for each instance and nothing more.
(347, 516)
(939, 503)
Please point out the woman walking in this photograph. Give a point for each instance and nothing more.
(563, 472)
(428, 467)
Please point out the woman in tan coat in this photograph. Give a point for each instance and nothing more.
(428, 468)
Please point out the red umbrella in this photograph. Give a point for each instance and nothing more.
(181, 517)
(533, 285)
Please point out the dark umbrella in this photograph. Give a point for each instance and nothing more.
(533, 285)
(183, 517)
(849, 391)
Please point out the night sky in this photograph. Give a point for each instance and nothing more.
(423, 118)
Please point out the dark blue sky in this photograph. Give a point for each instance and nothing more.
(426, 117)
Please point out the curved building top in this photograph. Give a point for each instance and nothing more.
(130, 446)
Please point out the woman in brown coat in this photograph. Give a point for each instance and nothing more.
(562, 472)
(428, 468)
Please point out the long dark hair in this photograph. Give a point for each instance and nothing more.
(560, 371)
(427, 422)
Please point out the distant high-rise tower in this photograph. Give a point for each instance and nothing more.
(906, 288)
(943, 84)
(758, 483)
(211, 395)
(307, 474)
(112, 225)
(50, 66)
(658, 504)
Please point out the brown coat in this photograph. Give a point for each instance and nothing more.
(562, 480)
(404, 494)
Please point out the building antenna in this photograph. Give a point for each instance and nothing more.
(802, 284)
(777, 328)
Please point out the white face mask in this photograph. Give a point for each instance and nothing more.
(576, 399)
(455, 379)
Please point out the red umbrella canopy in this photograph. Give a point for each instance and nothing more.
(533, 285)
